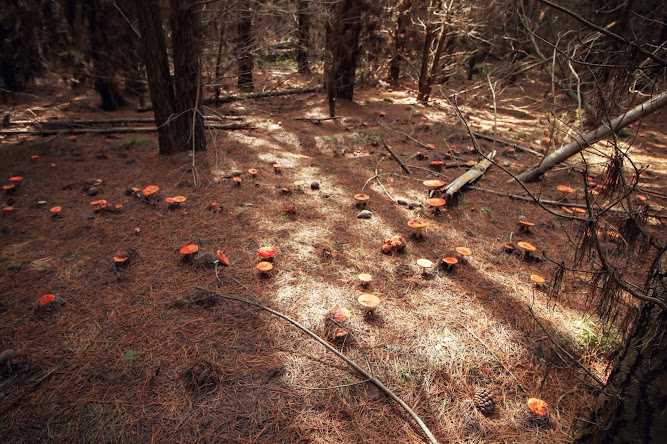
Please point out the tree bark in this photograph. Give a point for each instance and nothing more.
(578, 144)
(631, 409)
(426, 56)
(347, 55)
(186, 42)
(399, 41)
(303, 37)
(244, 47)
(157, 68)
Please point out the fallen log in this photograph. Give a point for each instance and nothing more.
(50, 123)
(275, 93)
(124, 130)
(470, 176)
(582, 142)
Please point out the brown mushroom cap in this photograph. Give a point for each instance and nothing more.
(432, 184)
(179, 199)
(463, 251)
(368, 301)
(264, 266)
(361, 197)
(527, 247)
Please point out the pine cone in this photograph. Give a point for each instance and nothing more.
(484, 401)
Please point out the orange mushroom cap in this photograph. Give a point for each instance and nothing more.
(265, 266)
(150, 189)
(430, 146)
(98, 202)
(72, 138)
(463, 251)
(16, 179)
(266, 252)
(418, 223)
(361, 197)
(437, 163)
(252, 171)
(169, 200)
(8, 187)
(527, 246)
(450, 260)
(538, 407)
(526, 223)
(223, 258)
(564, 189)
(432, 184)
(120, 258)
(55, 210)
(237, 180)
(537, 279)
(179, 199)
(8, 208)
(436, 201)
(34, 157)
(47, 299)
(189, 249)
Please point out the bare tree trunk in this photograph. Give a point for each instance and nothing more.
(533, 173)
(245, 47)
(186, 42)
(347, 56)
(399, 40)
(303, 37)
(632, 406)
(331, 56)
(218, 62)
(157, 68)
(426, 58)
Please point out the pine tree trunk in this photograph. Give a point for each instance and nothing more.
(186, 42)
(399, 41)
(348, 47)
(244, 47)
(632, 407)
(104, 71)
(303, 37)
(157, 68)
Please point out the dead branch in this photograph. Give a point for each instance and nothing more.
(471, 175)
(582, 142)
(560, 347)
(126, 130)
(258, 95)
(507, 143)
(50, 123)
(347, 360)
(398, 160)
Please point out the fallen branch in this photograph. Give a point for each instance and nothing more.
(584, 141)
(50, 123)
(147, 129)
(554, 203)
(471, 175)
(349, 362)
(590, 373)
(507, 143)
(258, 95)
(398, 160)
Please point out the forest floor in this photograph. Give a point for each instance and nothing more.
(138, 354)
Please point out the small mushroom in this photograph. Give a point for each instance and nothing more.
(539, 280)
(365, 279)
(524, 226)
(449, 262)
(266, 253)
(298, 184)
(538, 408)
(252, 172)
(150, 191)
(340, 314)
(437, 164)
(276, 168)
(508, 248)
(433, 184)
(9, 188)
(463, 252)
(361, 199)
(436, 203)
(49, 302)
(369, 302)
(425, 265)
(222, 259)
(189, 251)
(237, 181)
(564, 191)
(526, 248)
(55, 211)
(264, 268)
(418, 225)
